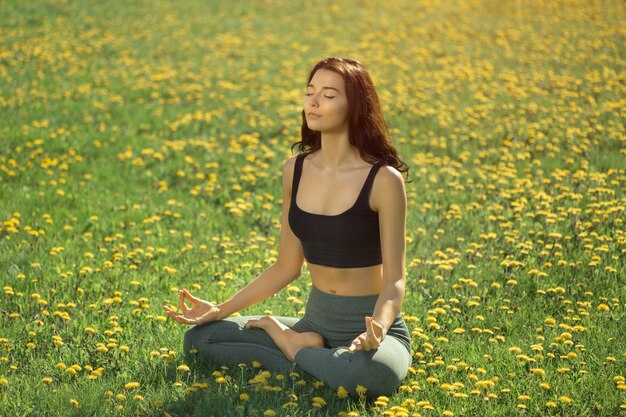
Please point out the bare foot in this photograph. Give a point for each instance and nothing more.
(288, 341)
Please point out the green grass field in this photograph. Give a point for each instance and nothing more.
(140, 153)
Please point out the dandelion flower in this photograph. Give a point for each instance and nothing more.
(132, 385)
(318, 402)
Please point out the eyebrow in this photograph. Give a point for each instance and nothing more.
(329, 88)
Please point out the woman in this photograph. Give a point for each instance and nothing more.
(344, 209)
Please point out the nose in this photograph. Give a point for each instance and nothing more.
(312, 100)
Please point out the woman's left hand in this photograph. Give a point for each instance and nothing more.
(371, 338)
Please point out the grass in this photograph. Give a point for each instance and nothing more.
(140, 153)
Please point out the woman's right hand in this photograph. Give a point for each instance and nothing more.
(201, 311)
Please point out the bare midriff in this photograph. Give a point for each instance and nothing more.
(347, 281)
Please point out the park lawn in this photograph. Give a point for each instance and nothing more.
(141, 153)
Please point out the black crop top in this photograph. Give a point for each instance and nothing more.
(347, 240)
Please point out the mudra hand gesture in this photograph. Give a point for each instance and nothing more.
(370, 339)
(201, 311)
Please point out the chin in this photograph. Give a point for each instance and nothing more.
(313, 127)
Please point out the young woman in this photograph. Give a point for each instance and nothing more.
(344, 209)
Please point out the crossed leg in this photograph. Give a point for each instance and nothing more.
(232, 341)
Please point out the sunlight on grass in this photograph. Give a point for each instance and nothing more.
(141, 152)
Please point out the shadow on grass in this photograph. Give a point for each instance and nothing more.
(249, 390)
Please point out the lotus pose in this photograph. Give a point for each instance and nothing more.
(344, 210)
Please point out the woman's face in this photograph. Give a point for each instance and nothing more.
(326, 103)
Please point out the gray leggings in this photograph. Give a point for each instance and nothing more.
(339, 319)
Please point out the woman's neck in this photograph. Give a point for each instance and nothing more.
(336, 151)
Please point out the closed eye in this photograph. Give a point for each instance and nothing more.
(310, 94)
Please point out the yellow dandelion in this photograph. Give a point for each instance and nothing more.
(244, 397)
(565, 399)
(342, 392)
(131, 385)
(318, 402)
(183, 368)
(269, 413)
(74, 403)
(382, 398)
(360, 389)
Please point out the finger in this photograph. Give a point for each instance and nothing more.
(354, 346)
(181, 302)
(180, 318)
(368, 328)
(169, 311)
(374, 330)
(364, 343)
(188, 295)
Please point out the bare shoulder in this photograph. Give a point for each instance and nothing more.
(389, 176)
(388, 188)
(288, 166)
(288, 169)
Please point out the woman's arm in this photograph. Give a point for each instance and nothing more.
(389, 199)
(287, 267)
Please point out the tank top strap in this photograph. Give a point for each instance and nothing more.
(363, 199)
(297, 173)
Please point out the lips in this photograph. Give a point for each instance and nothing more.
(313, 115)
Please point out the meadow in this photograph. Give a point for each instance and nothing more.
(140, 153)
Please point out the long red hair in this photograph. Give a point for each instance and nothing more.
(366, 126)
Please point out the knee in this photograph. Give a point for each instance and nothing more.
(190, 341)
(196, 338)
(379, 378)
